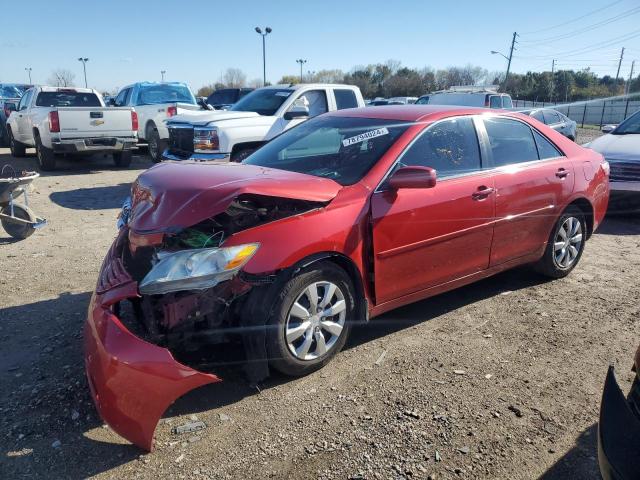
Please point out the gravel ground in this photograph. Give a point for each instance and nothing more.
(500, 379)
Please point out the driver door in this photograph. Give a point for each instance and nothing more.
(427, 237)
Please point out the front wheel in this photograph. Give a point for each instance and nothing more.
(157, 146)
(565, 245)
(18, 230)
(311, 320)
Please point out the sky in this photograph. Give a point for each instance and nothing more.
(195, 41)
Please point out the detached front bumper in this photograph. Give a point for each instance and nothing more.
(132, 381)
(199, 157)
(619, 432)
(94, 145)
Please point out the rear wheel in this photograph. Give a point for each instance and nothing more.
(17, 148)
(17, 230)
(122, 159)
(46, 157)
(565, 245)
(157, 146)
(311, 320)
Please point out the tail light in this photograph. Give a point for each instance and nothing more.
(134, 121)
(172, 111)
(54, 122)
(606, 167)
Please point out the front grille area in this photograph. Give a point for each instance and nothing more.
(624, 171)
(181, 139)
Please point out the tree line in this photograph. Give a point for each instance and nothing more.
(391, 79)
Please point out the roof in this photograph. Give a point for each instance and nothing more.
(296, 86)
(47, 88)
(412, 113)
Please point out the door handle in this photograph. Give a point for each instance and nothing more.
(482, 193)
(562, 173)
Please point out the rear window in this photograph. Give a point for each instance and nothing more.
(345, 99)
(164, 93)
(67, 99)
(551, 117)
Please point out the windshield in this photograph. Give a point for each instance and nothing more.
(630, 125)
(222, 97)
(340, 148)
(10, 91)
(265, 101)
(165, 93)
(67, 99)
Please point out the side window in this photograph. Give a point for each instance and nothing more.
(317, 102)
(422, 100)
(546, 149)
(538, 116)
(511, 141)
(551, 117)
(324, 141)
(450, 147)
(495, 101)
(25, 100)
(345, 99)
(506, 102)
(121, 98)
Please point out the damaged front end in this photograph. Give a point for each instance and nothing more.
(162, 295)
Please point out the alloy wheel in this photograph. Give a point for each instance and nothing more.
(567, 244)
(315, 321)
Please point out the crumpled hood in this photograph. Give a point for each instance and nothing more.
(172, 196)
(204, 117)
(618, 147)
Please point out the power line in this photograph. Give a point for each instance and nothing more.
(575, 19)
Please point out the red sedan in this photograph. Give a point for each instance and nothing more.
(337, 220)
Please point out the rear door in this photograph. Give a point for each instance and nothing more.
(427, 237)
(533, 181)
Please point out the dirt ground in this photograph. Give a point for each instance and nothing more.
(500, 379)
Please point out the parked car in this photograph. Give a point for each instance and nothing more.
(403, 100)
(226, 97)
(258, 117)
(556, 120)
(10, 93)
(155, 103)
(70, 120)
(621, 147)
(619, 428)
(383, 101)
(347, 216)
(468, 96)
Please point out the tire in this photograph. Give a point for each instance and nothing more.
(156, 145)
(240, 155)
(4, 140)
(122, 159)
(564, 250)
(303, 352)
(18, 231)
(17, 149)
(46, 157)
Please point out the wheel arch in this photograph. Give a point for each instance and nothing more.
(148, 127)
(587, 209)
(245, 145)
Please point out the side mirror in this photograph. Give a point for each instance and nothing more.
(413, 177)
(299, 109)
(608, 128)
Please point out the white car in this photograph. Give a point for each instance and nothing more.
(70, 120)
(620, 146)
(258, 117)
(155, 103)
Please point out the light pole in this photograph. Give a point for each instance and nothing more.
(84, 67)
(162, 72)
(509, 58)
(267, 31)
(301, 62)
(28, 69)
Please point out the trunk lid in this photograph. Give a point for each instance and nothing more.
(94, 122)
(177, 195)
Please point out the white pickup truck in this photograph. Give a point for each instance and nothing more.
(155, 103)
(70, 120)
(258, 117)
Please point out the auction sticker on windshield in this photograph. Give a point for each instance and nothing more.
(378, 132)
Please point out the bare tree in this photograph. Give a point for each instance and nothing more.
(61, 78)
(205, 90)
(255, 83)
(234, 78)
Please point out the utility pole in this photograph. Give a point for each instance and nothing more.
(553, 69)
(619, 65)
(28, 69)
(628, 89)
(301, 62)
(513, 44)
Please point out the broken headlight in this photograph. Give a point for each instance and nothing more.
(195, 269)
(205, 139)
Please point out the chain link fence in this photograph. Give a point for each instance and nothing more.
(591, 112)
